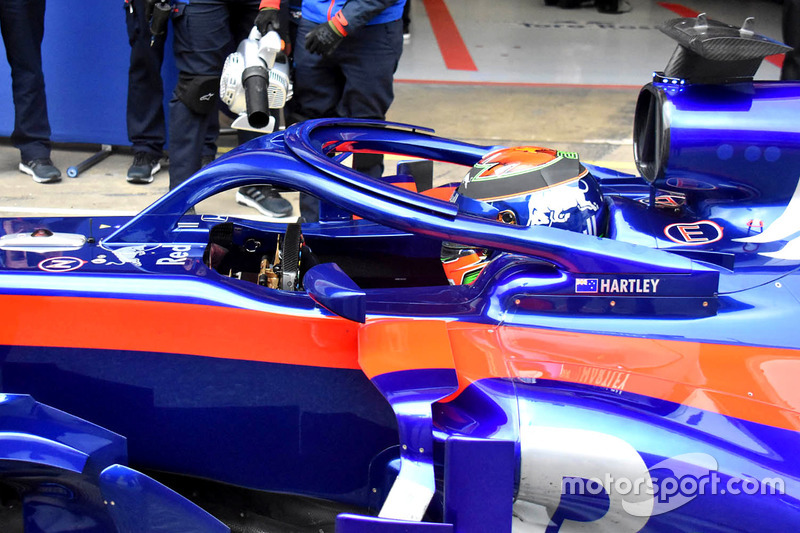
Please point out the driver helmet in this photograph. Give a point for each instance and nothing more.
(527, 186)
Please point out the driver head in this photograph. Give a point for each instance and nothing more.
(526, 186)
(533, 186)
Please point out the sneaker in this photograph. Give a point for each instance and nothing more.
(265, 200)
(143, 168)
(207, 160)
(42, 170)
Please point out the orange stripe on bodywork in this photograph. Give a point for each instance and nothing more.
(752, 383)
(166, 327)
(395, 345)
(748, 382)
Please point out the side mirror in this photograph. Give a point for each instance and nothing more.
(330, 287)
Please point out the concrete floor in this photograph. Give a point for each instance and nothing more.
(566, 79)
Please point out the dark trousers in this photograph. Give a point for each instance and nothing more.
(147, 129)
(145, 111)
(22, 26)
(356, 81)
(791, 36)
(205, 33)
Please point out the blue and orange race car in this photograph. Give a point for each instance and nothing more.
(459, 358)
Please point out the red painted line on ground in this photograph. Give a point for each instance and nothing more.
(678, 9)
(454, 51)
(519, 84)
(683, 11)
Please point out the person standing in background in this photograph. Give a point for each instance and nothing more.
(345, 58)
(147, 130)
(22, 27)
(203, 30)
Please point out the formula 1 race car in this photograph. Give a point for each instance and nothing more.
(547, 345)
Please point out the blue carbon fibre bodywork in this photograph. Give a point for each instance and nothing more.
(743, 127)
(139, 503)
(661, 430)
(330, 287)
(269, 408)
(658, 431)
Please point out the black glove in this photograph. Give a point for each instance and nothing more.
(267, 19)
(323, 39)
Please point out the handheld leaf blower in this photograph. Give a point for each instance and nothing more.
(255, 81)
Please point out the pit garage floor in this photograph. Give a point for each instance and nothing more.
(492, 72)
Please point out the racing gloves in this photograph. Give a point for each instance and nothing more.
(267, 19)
(323, 39)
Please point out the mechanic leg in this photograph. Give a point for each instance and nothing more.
(201, 37)
(318, 80)
(22, 26)
(309, 207)
(145, 111)
(317, 89)
(369, 62)
(187, 133)
(210, 142)
(369, 164)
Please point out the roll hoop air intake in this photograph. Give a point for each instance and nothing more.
(679, 143)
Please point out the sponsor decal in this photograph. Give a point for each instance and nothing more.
(694, 233)
(177, 256)
(556, 205)
(61, 264)
(617, 285)
(125, 255)
(599, 377)
(664, 200)
(130, 255)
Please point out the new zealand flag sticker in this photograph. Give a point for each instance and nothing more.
(586, 286)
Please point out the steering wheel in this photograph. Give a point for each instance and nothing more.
(290, 261)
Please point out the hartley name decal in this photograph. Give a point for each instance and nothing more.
(617, 286)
